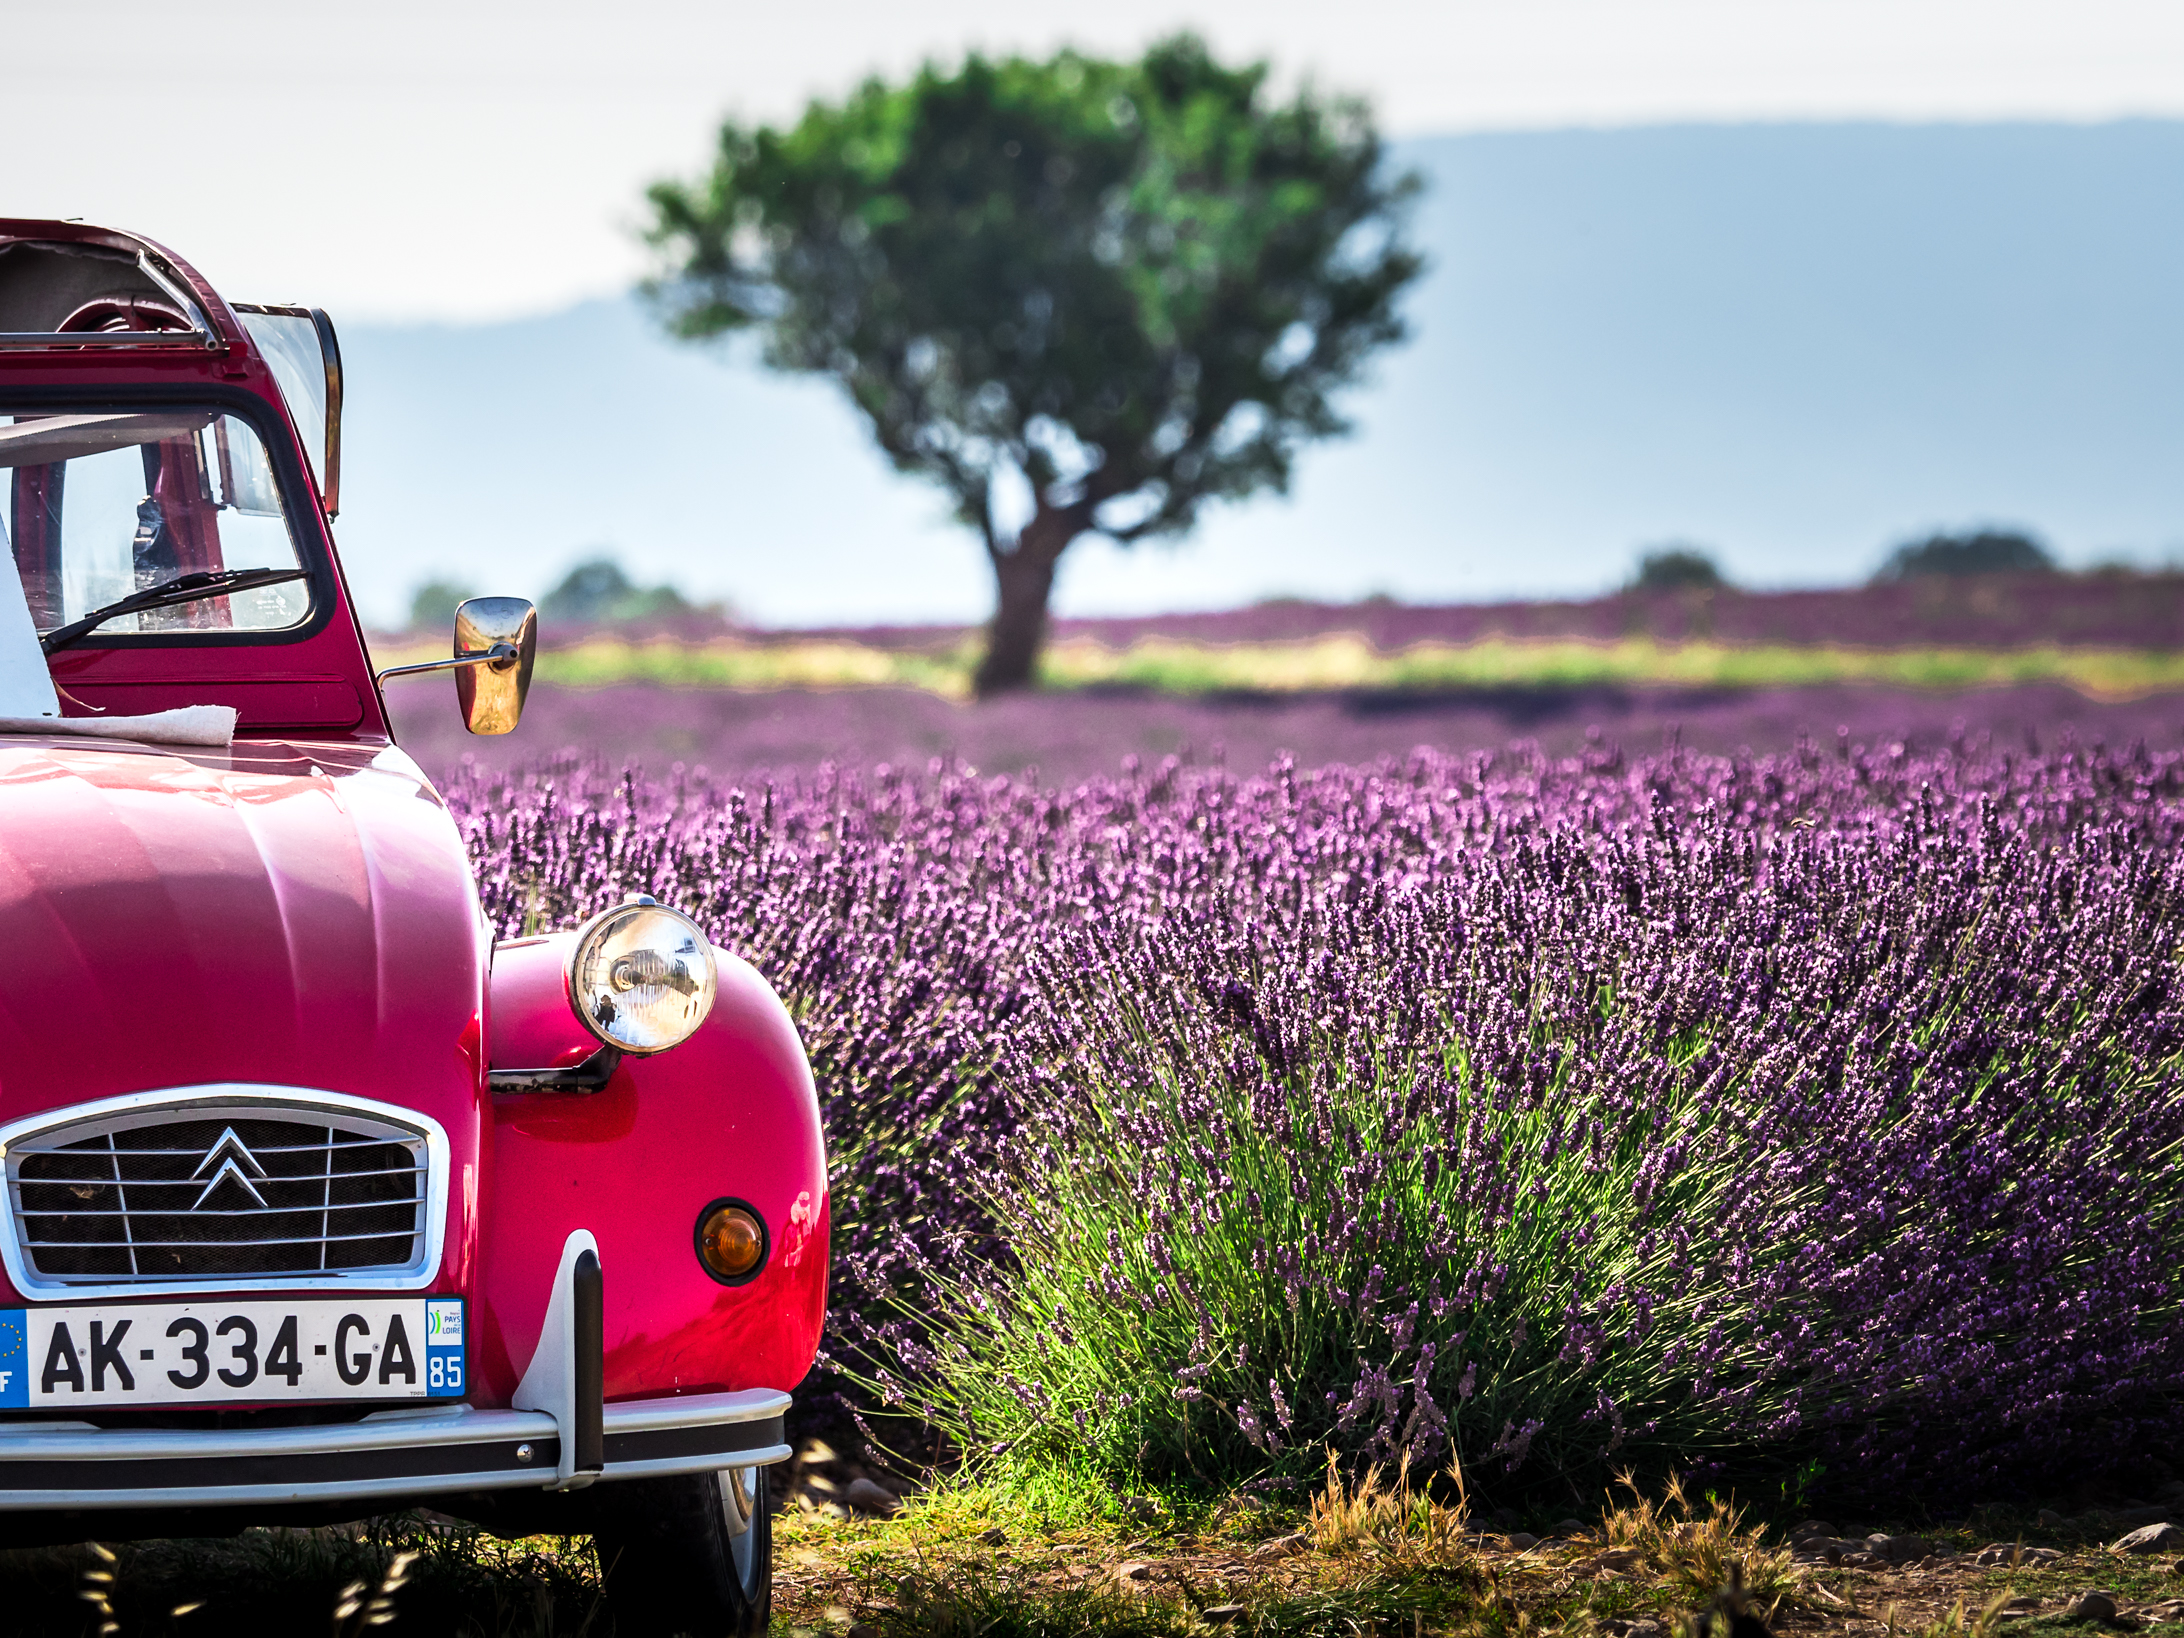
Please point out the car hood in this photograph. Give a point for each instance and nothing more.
(281, 913)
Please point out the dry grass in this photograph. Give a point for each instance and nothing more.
(1404, 1524)
(359, 1607)
(1698, 1552)
(1390, 1555)
(1954, 1624)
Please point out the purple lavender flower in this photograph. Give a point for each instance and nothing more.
(1679, 1108)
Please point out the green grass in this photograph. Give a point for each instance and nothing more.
(973, 1561)
(808, 663)
(1345, 660)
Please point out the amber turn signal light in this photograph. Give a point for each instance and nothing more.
(731, 1241)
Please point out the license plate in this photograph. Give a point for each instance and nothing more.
(195, 1353)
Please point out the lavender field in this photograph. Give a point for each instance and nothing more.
(1810, 1114)
(2123, 610)
(1070, 736)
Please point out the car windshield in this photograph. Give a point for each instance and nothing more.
(100, 505)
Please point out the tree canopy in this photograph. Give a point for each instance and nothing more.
(433, 604)
(598, 591)
(1989, 551)
(1678, 568)
(1080, 295)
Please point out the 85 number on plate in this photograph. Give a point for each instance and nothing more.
(205, 1352)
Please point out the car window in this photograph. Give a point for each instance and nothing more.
(289, 343)
(99, 505)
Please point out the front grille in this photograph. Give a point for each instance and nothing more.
(199, 1193)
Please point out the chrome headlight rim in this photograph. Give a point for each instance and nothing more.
(595, 932)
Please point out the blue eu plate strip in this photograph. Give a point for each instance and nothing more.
(14, 1360)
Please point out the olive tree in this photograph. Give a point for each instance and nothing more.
(1082, 296)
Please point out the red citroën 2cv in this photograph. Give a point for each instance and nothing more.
(320, 1202)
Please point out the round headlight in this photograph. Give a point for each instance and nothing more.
(642, 977)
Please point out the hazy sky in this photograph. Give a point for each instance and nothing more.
(443, 160)
(1795, 345)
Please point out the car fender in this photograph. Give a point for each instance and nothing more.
(730, 1113)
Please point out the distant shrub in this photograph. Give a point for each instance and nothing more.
(598, 591)
(433, 604)
(2117, 569)
(1990, 551)
(1677, 568)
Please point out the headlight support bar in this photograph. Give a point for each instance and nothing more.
(589, 1076)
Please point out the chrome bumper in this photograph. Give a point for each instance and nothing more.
(392, 1453)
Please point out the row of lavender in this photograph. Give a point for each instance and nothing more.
(1981, 611)
(1812, 1110)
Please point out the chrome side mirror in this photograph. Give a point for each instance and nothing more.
(496, 640)
(491, 695)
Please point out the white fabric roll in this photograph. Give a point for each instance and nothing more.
(186, 725)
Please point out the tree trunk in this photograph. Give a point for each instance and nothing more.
(1023, 578)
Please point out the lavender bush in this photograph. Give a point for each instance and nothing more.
(1565, 1111)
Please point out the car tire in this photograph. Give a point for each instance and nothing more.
(691, 1554)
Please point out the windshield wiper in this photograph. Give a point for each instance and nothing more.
(183, 588)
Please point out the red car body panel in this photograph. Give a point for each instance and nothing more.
(637, 1164)
(287, 914)
(299, 911)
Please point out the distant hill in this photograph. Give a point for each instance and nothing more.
(1793, 345)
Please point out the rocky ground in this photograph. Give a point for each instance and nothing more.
(2123, 1570)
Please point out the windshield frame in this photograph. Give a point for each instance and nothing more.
(299, 503)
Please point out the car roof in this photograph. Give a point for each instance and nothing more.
(50, 270)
